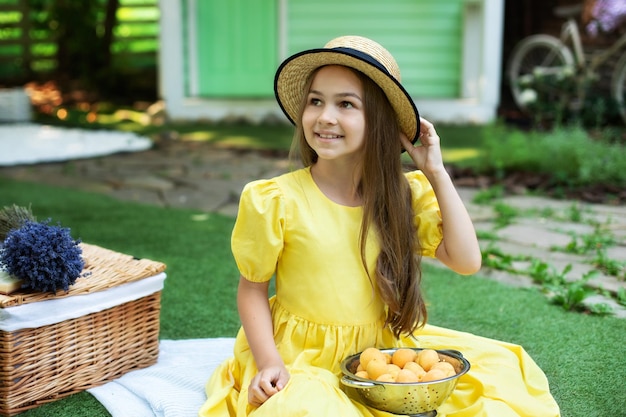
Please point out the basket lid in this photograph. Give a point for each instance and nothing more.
(104, 268)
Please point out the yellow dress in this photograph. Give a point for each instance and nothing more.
(325, 309)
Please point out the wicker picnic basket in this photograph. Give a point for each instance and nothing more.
(43, 364)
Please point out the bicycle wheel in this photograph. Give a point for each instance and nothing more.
(618, 86)
(535, 60)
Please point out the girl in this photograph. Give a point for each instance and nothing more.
(343, 237)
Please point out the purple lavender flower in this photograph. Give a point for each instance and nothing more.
(44, 257)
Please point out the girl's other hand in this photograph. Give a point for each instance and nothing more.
(267, 382)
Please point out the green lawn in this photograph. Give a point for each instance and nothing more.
(581, 354)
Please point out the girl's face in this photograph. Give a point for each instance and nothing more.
(334, 119)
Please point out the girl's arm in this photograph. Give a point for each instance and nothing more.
(459, 249)
(256, 318)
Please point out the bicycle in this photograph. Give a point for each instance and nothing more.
(561, 70)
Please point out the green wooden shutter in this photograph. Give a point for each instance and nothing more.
(236, 47)
(425, 36)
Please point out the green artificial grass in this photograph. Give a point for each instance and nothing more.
(581, 355)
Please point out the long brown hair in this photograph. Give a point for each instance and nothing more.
(387, 206)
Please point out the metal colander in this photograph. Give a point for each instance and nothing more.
(414, 399)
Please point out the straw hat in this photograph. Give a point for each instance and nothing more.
(356, 52)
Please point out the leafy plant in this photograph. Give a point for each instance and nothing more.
(598, 240)
(574, 213)
(495, 258)
(601, 309)
(13, 217)
(504, 214)
(621, 296)
(570, 296)
(555, 99)
(488, 195)
(609, 266)
(567, 156)
(544, 274)
(485, 235)
(549, 95)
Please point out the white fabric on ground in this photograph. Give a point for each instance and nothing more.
(33, 143)
(43, 313)
(173, 387)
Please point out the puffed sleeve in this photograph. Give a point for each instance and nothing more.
(427, 213)
(257, 238)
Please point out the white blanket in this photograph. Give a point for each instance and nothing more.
(173, 387)
(32, 143)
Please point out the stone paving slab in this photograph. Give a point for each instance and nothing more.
(533, 234)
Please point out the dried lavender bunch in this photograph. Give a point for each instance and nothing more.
(13, 217)
(44, 257)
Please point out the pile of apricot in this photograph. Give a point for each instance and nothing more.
(404, 365)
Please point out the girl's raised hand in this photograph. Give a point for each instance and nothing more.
(427, 153)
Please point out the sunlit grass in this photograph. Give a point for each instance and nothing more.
(199, 136)
(454, 155)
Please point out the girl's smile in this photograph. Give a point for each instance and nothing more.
(327, 137)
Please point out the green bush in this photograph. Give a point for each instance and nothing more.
(567, 155)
